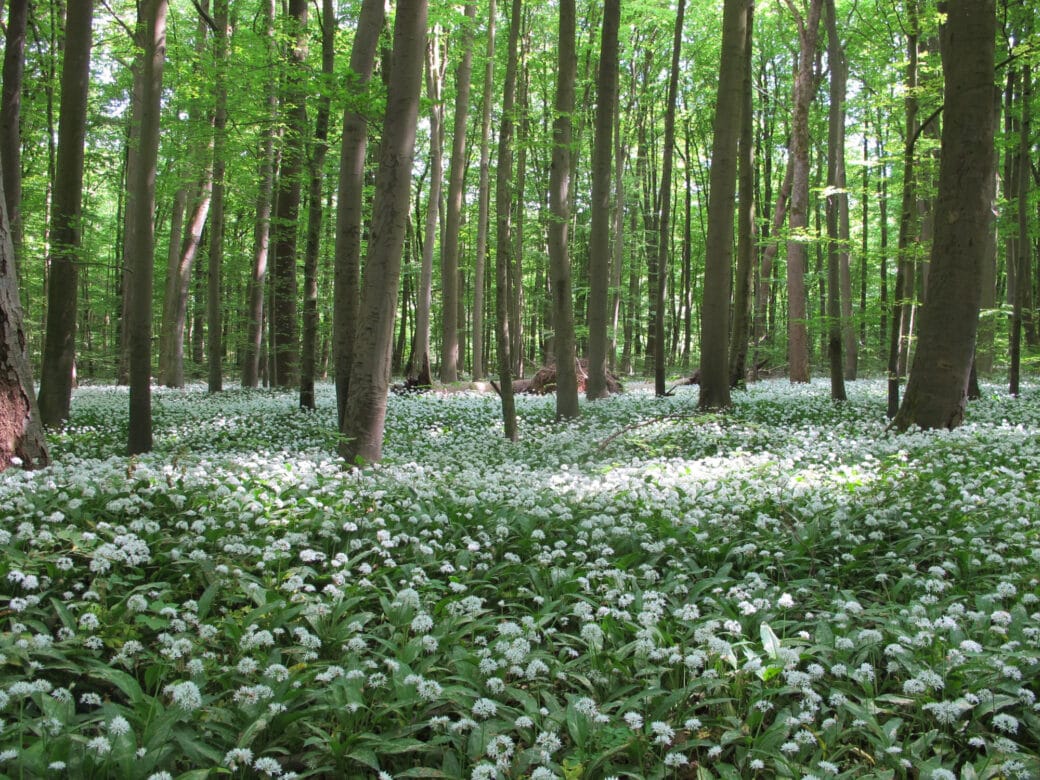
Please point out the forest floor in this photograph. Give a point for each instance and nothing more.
(785, 590)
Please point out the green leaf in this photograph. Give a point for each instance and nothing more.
(770, 641)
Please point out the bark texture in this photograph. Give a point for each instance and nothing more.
(370, 373)
(936, 394)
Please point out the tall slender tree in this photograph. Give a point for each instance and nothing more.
(59, 351)
(142, 189)
(718, 263)
(315, 214)
(347, 283)
(484, 198)
(214, 307)
(264, 202)
(450, 298)
(559, 220)
(285, 349)
(937, 390)
(837, 207)
(599, 236)
(370, 373)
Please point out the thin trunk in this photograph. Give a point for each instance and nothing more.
(419, 367)
(346, 295)
(484, 197)
(745, 219)
(837, 211)
(450, 290)
(984, 351)
(315, 215)
(765, 275)
(214, 309)
(139, 438)
(599, 246)
(59, 352)
(665, 201)
(262, 220)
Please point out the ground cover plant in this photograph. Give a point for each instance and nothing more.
(786, 590)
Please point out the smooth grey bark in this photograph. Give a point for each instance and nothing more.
(10, 121)
(450, 297)
(142, 189)
(599, 238)
(484, 200)
(362, 439)
(560, 215)
(347, 279)
(262, 220)
(319, 149)
(936, 394)
(798, 210)
(718, 261)
(22, 440)
(285, 348)
(59, 351)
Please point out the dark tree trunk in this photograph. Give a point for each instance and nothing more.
(285, 349)
(10, 122)
(937, 390)
(143, 191)
(837, 208)
(370, 373)
(484, 197)
(351, 194)
(59, 351)
(450, 297)
(21, 435)
(320, 147)
(214, 310)
(262, 221)
(599, 240)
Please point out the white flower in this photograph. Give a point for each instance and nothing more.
(484, 708)
(185, 695)
(1006, 723)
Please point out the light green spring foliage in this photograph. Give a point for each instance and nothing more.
(785, 591)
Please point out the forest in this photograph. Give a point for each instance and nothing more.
(511, 390)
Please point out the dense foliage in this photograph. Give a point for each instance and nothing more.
(784, 591)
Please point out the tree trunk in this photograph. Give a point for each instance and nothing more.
(59, 352)
(347, 283)
(559, 220)
(1021, 307)
(484, 197)
(285, 349)
(214, 309)
(797, 324)
(665, 204)
(10, 122)
(984, 350)
(370, 373)
(21, 435)
(903, 294)
(837, 210)
(450, 290)
(503, 227)
(599, 239)
(143, 191)
(936, 393)
(419, 368)
(315, 214)
(262, 221)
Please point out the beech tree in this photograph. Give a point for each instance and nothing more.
(10, 118)
(59, 353)
(936, 392)
(370, 372)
